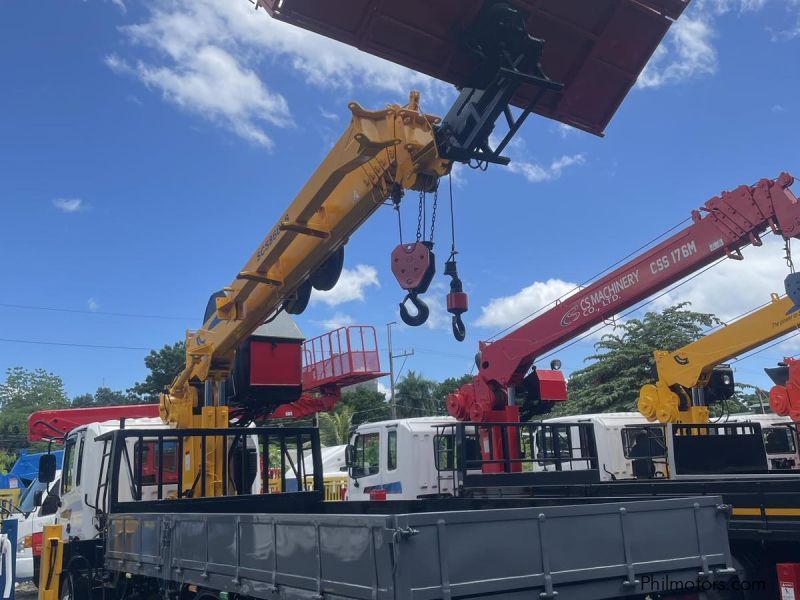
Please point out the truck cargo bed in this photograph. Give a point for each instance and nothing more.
(585, 551)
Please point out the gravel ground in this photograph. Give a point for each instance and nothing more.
(26, 591)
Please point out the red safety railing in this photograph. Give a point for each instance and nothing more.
(341, 357)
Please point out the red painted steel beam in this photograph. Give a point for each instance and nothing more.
(49, 424)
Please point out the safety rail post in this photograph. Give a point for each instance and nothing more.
(51, 562)
(350, 349)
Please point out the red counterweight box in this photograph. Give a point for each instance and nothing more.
(789, 580)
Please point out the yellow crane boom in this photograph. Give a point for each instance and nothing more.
(677, 395)
(381, 151)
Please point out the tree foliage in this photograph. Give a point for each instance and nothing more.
(365, 404)
(24, 392)
(623, 360)
(104, 396)
(414, 396)
(164, 365)
(334, 427)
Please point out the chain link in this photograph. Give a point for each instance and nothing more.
(789, 261)
(433, 212)
(419, 217)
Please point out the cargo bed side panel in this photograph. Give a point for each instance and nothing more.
(582, 552)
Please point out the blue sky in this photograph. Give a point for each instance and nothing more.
(147, 147)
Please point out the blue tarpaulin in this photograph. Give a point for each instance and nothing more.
(27, 468)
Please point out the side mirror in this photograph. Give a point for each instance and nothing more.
(37, 498)
(47, 468)
(349, 455)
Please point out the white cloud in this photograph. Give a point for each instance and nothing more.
(688, 51)
(564, 130)
(209, 81)
(352, 285)
(93, 304)
(120, 5)
(326, 114)
(734, 287)
(69, 205)
(208, 56)
(778, 108)
(536, 173)
(336, 321)
(507, 310)
(383, 389)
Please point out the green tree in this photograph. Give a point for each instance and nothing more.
(334, 427)
(623, 360)
(164, 365)
(748, 398)
(104, 396)
(414, 396)
(367, 405)
(24, 392)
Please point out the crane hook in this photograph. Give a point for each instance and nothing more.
(422, 311)
(459, 329)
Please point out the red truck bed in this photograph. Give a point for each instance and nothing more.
(597, 48)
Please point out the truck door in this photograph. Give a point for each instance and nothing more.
(365, 472)
(73, 511)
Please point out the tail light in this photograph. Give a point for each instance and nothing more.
(36, 542)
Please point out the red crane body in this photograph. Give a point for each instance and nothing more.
(721, 227)
(784, 397)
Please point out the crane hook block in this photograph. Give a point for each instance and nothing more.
(422, 311)
(414, 266)
(457, 301)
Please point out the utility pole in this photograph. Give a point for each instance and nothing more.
(392, 356)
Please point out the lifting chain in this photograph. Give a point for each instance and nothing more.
(420, 215)
(433, 212)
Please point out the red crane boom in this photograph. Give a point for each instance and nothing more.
(721, 227)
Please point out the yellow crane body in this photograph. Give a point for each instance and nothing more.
(380, 153)
(669, 400)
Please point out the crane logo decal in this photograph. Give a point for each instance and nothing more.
(572, 315)
(681, 360)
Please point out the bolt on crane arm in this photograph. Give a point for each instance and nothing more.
(379, 150)
(670, 399)
(721, 227)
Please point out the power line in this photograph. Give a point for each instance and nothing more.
(72, 344)
(92, 312)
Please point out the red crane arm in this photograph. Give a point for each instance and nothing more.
(721, 227)
(58, 422)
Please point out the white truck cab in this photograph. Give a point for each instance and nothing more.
(780, 439)
(79, 496)
(397, 458)
(626, 447)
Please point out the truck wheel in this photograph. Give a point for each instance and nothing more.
(67, 588)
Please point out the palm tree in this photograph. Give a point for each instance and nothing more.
(334, 427)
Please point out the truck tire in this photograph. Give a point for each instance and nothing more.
(67, 591)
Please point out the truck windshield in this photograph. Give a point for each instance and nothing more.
(367, 455)
(26, 501)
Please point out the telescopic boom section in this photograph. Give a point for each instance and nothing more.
(380, 151)
(720, 228)
(679, 395)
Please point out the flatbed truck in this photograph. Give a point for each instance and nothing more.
(267, 543)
